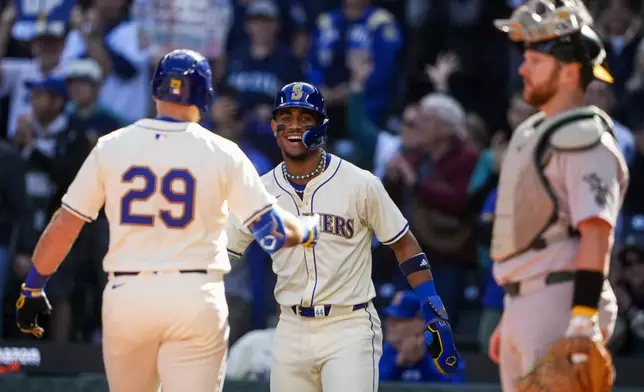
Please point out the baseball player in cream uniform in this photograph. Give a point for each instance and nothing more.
(168, 186)
(329, 336)
(561, 186)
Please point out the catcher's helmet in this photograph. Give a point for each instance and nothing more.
(306, 96)
(562, 29)
(184, 77)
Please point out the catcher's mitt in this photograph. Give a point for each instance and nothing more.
(575, 364)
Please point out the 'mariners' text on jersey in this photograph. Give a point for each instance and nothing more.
(336, 225)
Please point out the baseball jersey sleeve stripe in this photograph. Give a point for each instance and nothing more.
(397, 236)
(78, 214)
(258, 213)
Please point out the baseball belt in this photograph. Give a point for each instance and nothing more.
(135, 273)
(527, 286)
(325, 310)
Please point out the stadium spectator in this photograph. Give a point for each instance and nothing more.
(628, 285)
(14, 222)
(105, 34)
(375, 146)
(430, 184)
(227, 121)
(295, 30)
(477, 133)
(38, 130)
(356, 25)
(258, 70)
(465, 30)
(38, 133)
(84, 79)
(621, 28)
(486, 173)
(404, 352)
(46, 47)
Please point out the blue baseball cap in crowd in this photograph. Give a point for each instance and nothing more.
(263, 8)
(53, 84)
(404, 305)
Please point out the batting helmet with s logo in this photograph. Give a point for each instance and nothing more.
(305, 96)
(184, 77)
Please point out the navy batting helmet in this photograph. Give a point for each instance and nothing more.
(184, 77)
(306, 96)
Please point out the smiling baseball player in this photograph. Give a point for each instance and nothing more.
(328, 337)
(168, 186)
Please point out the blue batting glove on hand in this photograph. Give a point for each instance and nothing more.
(438, 333)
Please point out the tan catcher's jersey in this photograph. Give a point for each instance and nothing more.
(353, 205)
(167, 188)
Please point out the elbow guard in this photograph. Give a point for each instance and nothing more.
(268, 230)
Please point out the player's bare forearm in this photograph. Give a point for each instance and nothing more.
(595, 245)
(591, 268)
(56, 241)
(293, 231)
(406, 248)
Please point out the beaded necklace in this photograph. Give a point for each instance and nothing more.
(318, 169)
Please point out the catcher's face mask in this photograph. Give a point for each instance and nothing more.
(563, 32)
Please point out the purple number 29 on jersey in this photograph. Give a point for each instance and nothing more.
(186, 198)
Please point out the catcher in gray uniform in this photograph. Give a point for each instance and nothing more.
(560, 190)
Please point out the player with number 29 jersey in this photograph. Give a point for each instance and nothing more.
(162, 217)
(168, 186)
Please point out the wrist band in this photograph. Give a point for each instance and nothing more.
(426, 290)
(414, 264)
(35, 280)
(587, 292)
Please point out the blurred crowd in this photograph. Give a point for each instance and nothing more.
(424, 93)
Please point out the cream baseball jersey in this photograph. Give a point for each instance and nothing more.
(167, 188)
(353, 205)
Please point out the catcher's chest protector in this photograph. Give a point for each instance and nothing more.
(524, 207)
(527, 214)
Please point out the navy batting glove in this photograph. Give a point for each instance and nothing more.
(32, 303)
(438, 332)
